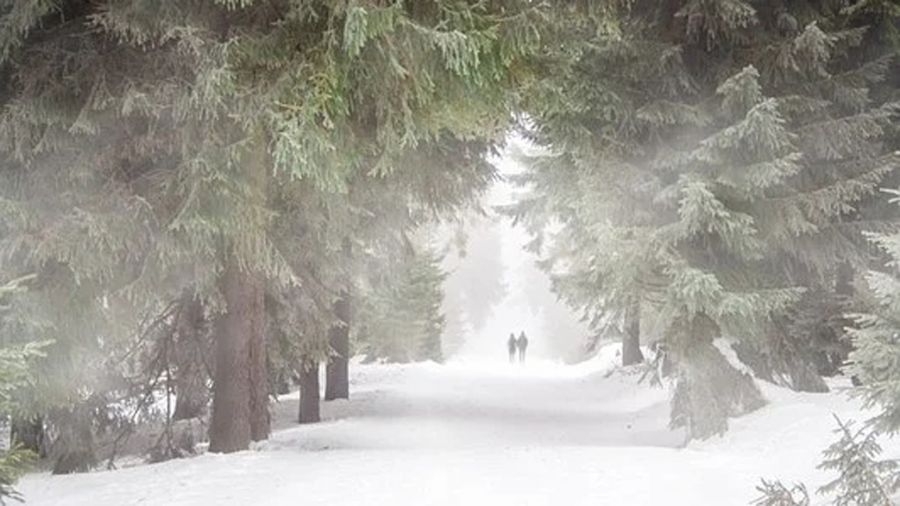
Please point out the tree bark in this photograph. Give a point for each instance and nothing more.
(337, 373)
(259, 379)
(191, 347)
(282, 381)
(241, 390)
(309, 393)
(229, 429)
(73, 449)
(258, 174)
(631, 338)
(834, 359)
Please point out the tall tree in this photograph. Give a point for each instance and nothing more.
(710, 156)
(875, 360)
(172, 156)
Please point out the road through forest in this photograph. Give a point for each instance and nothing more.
(493, 434)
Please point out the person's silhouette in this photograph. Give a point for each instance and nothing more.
(522, 345)
(511, 344)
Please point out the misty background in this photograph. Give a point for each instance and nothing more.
(494, 286)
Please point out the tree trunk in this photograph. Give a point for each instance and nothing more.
(631, 338)
(73, 449)
(29, 432)
(259, 378)
(837, 355)
(337, 374)
(282, 381)
(709, 389)
(191, 350)
(843, 284)
(241, 391)
(309, 393)
(258, 169)
(229, 429)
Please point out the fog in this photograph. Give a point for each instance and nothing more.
(494, 287)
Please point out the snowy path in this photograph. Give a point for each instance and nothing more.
(441, 435)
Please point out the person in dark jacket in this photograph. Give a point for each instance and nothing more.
(522, 345)
(511, 344)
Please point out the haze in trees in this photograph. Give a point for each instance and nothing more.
(301, 232)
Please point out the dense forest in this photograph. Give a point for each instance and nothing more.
(204, 202)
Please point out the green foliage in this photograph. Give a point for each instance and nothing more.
(16, 361)
(862, 480)
(399, 317)
(718, 161)
(17, 19)
(13, 463)
(875, 360)
(147, 144)
(15, 374)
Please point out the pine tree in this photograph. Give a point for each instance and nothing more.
(400, 315)
(875, 360)
(862, 480)
(176, 153)
(710, 158)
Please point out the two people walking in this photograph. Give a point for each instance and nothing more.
(517, 347)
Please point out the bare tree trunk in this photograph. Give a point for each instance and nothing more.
(73, 449)
(191, 349)
(259, 379)
(229, 429)
(337, 374)
(309, 393)
(631, 338)
(843, 287)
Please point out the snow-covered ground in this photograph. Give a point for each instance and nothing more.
(473, 434)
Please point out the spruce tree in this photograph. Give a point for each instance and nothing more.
(709, 158)
(875, 360)
(862, 480)
(400, 314)
(175, 156)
